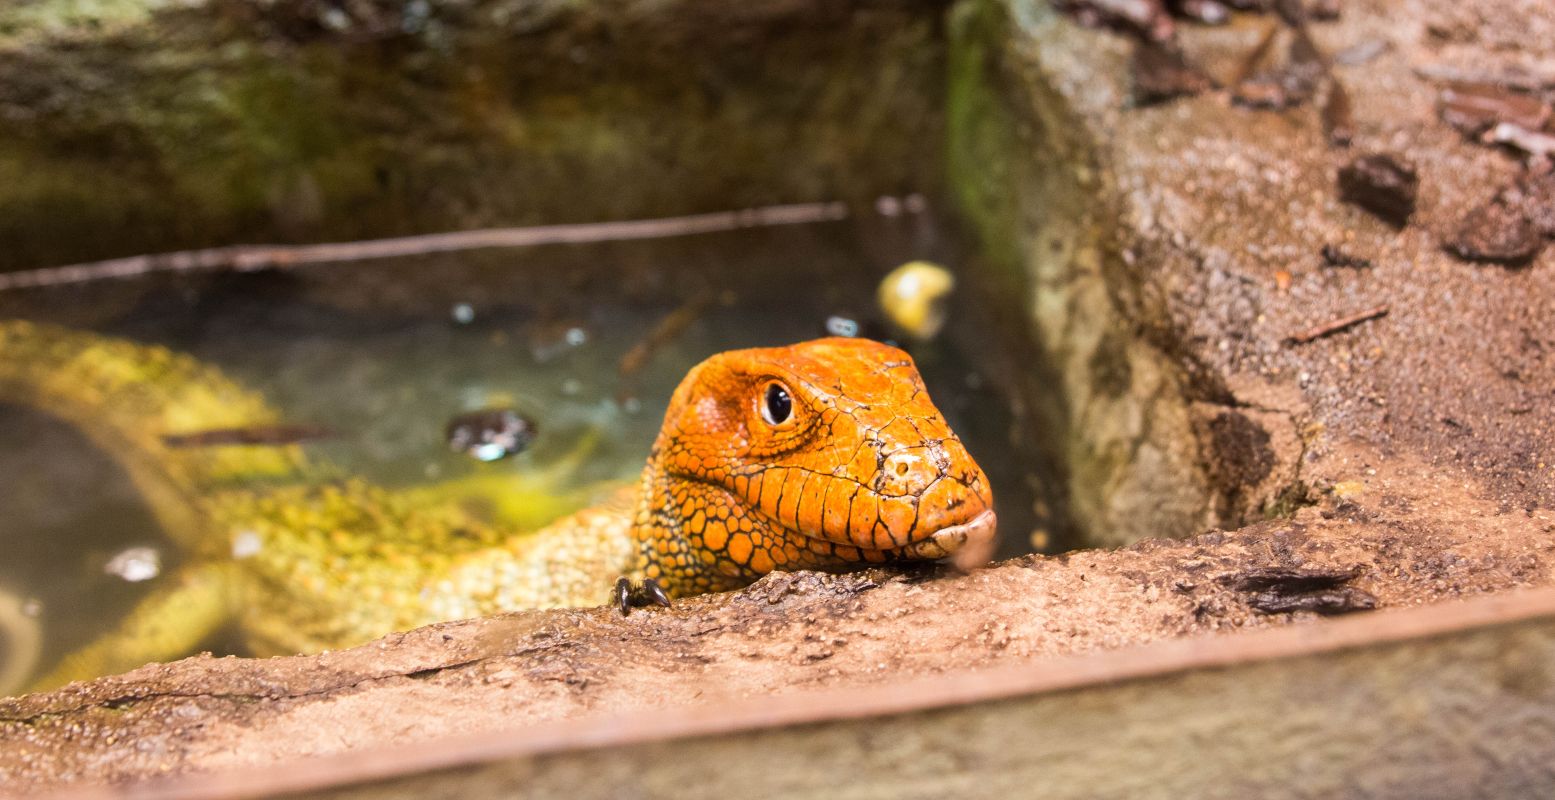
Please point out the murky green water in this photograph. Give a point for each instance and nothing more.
(384, 353)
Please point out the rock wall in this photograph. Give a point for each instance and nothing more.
(142, 125)
(1032, 173)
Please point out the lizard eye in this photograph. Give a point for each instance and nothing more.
(777, 407)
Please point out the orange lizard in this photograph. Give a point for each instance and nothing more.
(819, 455)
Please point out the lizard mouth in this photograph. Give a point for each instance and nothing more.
(969, 544)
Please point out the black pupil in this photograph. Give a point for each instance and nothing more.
(779, 404)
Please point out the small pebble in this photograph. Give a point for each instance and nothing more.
(1383, 184)
(135, 564)
(1334, 256)
(842, 326)
(1474, 108)
(1496, 233)
(1360, 53)
(887, 206)
(1162, 74)
(489, 435)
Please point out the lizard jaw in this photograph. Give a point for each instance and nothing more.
(969, 544)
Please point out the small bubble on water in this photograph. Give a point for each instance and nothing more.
(335, 19)
(463, 313)
(135, 564)
(32, 607)
(577, 336)
(632, 405)
(915, 203)
(572, 387)
(888, 206)
(842, 326)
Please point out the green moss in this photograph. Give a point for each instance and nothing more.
(226, 122)
(981, 134)
(1291, 499)
(28, 18)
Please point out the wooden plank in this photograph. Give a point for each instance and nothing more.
(1456, 699)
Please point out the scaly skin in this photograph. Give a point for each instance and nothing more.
(864, 470)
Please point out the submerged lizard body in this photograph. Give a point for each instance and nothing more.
(815, 456)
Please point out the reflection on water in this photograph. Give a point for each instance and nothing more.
(382, 356)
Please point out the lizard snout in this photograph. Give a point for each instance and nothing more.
(935, 501)
(907, 471)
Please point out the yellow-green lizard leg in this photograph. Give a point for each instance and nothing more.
(169, 624)
(20, 642)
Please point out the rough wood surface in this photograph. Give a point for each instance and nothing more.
(1452, 701)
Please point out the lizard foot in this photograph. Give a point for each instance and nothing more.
(649, 592)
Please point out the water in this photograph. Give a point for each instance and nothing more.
(385, 353)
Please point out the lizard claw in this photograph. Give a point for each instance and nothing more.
(628, 596)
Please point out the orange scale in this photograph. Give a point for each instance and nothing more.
(897, 519)
(715, 536)
(771, 490)
(740, 548)
(793, 492)
(861, 525)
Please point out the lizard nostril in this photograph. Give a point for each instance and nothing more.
(905, 472)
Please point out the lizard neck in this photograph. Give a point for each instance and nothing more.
(693, 536)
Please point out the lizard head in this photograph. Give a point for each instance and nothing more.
(812, 456)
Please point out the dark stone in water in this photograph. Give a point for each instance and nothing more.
(491, 434)
(1383, 184)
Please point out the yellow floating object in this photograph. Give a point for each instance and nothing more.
(914, 297)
